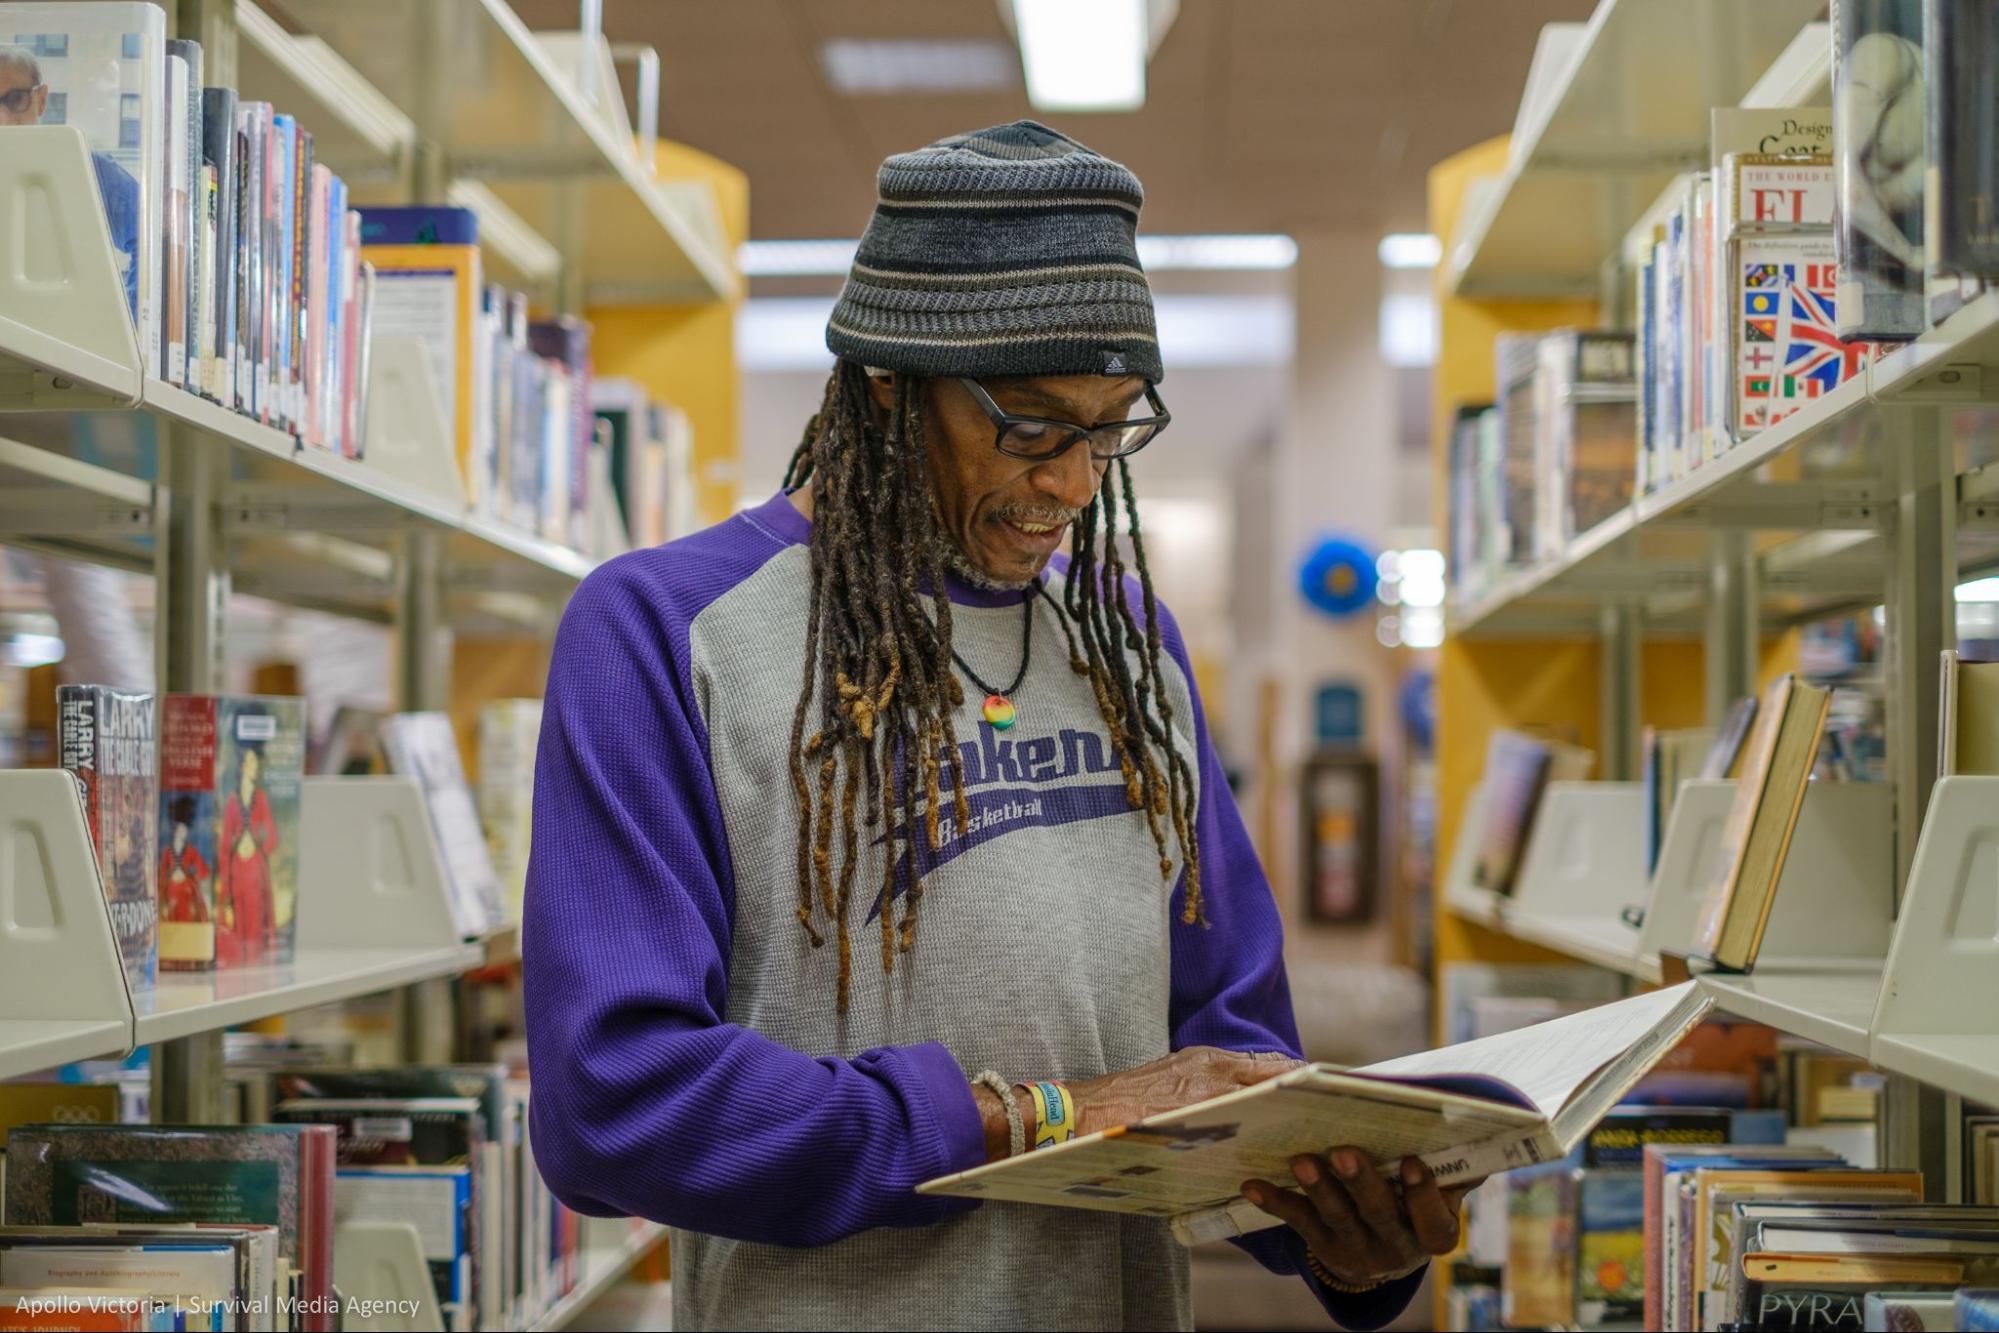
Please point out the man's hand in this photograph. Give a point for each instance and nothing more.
(1355, 1222)
(1167, 1084)
(1191, 1075)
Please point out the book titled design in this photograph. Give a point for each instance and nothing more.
(105, 737)
(231, 769)
(422, 746)
(103, 68)
(1518, 1099)
(1757, 836)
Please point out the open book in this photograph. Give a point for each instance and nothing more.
(1468, 1111)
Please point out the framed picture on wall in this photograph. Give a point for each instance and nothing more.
(1340, 827)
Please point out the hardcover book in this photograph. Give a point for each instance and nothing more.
(230, 775)
(422, 746)
(427, 287)
(219, 154)
(104, 66)
(1757, 837)
(1472, 1110)
(275, 1175)
(508, 732)
(1518, 769)
(106, 738)
(1539, 1289)
(1610, 1247)
(1878, 157)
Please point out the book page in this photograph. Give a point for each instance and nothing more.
(1185, 1161)
(1548, 1062)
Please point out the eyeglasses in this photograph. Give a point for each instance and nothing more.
(18, 100)
(1039, 439)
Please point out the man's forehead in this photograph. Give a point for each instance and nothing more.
(14, 74)
(1068, 390)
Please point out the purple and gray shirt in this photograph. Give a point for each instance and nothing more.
(689, 1064)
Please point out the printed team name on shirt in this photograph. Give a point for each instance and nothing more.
(1019, 783)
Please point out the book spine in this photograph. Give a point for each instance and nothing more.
(303, 310)
(189, 858)
(1450, 1167)
(219, 140)
(178, 212)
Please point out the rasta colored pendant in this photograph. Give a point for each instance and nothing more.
(999, 712)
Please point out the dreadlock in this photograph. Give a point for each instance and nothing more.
(878, 664)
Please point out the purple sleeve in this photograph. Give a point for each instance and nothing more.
(646, 1102)
(1229, 988)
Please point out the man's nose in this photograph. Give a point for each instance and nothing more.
(1070, 480)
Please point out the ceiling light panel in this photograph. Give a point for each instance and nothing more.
(879, 67)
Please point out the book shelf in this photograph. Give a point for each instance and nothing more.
(446, 102)
(1628, 112)
(1882, 940)
(603, 1266)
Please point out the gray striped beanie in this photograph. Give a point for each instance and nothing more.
(1007, 251)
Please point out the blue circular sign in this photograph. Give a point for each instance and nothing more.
(1338, 578)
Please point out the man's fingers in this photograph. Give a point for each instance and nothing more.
(1297, 1211)
(1335, 1206)
(1249, 1070)
(1431, 1215)
(1373, 1200)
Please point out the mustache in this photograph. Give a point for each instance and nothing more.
(1051, 517)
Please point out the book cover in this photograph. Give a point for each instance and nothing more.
(1513, 1100)
(422, 746)
(1907, 1311)
(59, 1103)
(1757, 835)
(1963, 111)
(1958, 215)
(102, 68)
(1621, 1137)
(1879, 162)
(508, 732)
(1516, 773)
(1610, 1247)
(1720, 759)
(437, 1200)
(276, 1175)
(231, 769)
(1977, 1309)
(105, 736)
(427, 288)
(1539, 1289)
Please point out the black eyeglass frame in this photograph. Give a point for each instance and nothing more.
(1004, 421)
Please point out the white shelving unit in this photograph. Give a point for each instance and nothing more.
(1629, 112)
(602, 1266)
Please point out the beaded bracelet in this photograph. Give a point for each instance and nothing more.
(1331, 1283)
(1016, 1128)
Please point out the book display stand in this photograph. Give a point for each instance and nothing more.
(373, 915)
(62, 985)
(381, 1265)
(1584, 866)
(66, 335)
(1935, 1018)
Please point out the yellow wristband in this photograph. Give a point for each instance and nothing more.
(1054, 1114)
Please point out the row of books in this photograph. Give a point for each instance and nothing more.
(193, 806)
(1554, 458)
(239, 254)
(541, 444)
(1776, 742)
(1738, 294)
(1608, 1235)
(96, 1210)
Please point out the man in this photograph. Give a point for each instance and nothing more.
(877, 700)
(24, 99)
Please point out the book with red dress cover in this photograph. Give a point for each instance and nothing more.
(106, 738)
(231, 769)
(276, 1175)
